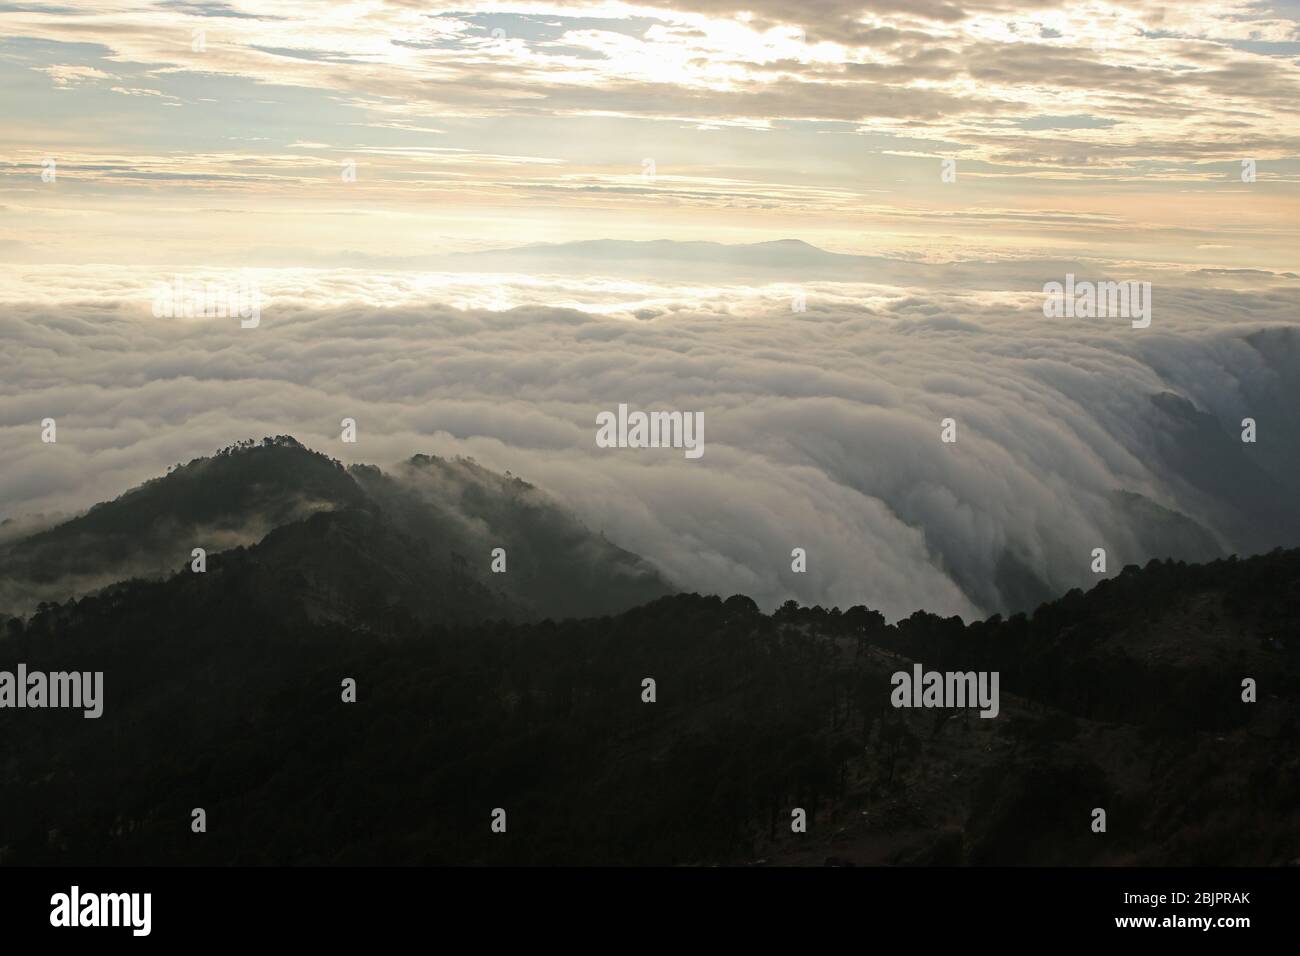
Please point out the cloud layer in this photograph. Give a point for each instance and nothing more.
(822, 426)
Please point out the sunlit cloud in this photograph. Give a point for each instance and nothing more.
(839, 113)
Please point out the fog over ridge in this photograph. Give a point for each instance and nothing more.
(822, 427)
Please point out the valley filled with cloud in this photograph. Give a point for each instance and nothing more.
(822, 426)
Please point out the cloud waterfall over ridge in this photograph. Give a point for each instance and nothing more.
(822, 427)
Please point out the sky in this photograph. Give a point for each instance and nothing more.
(220, 133)
(379, 171)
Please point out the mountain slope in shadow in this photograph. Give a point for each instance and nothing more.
(221, 694)
(340, 537)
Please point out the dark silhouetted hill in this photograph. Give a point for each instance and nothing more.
(335, 539)
(222, 692)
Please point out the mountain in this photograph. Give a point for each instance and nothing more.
(555, 564)
(339, 540)
(666, 258)
(234, 497)
(790, 260)
(793, 252)
(525, 690)
(1126, 698)
(1259, 506)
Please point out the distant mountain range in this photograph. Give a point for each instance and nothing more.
(338, 540)
(778, 260)
(787, 260)
(779, 252)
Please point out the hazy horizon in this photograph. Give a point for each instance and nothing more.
(187, 134)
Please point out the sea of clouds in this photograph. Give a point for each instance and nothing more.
(822, 427)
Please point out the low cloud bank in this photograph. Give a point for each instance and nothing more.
(823, 426)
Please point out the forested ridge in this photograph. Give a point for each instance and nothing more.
(221, 693)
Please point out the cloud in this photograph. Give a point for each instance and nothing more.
(1073, 125)
(67, 76)
(971, 68)
(822, 427)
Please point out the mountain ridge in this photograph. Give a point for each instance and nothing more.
(432, 518)
(1126, 697)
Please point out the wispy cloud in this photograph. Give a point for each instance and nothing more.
(1144, 112)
